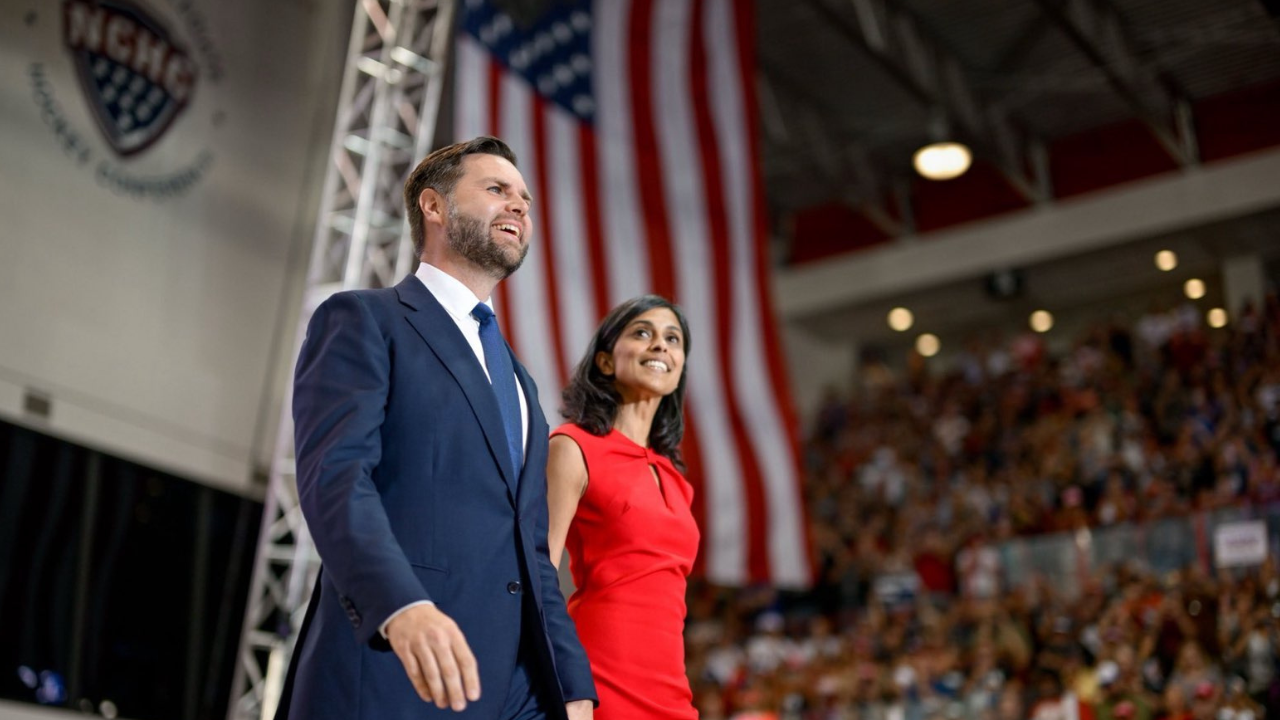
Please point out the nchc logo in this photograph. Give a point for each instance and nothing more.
(147, 80)
(136, 77)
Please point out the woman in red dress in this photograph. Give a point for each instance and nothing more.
(620, 505)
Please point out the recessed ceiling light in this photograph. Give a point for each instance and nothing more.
(901, 319)
(1194, 288)
(1042, 321)
(928, 345)
(1217, 318)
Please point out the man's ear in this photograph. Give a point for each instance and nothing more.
(604, 361)
(434, 206)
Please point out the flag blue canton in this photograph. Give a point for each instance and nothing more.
(553, 53)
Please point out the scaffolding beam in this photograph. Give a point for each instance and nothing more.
(386, 121)
(1098, 31)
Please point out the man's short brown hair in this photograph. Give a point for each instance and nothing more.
(440, 171)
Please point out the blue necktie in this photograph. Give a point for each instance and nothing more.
(503, 379)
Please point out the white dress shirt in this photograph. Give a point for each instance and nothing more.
(459, 301)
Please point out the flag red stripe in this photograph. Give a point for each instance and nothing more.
(544, 217)
(591, 214)
(717, 218)
(648, 166)
(496, 73)
(745, 24)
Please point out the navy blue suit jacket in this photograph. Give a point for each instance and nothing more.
(407, 488)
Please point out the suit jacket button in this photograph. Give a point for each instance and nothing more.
(513, 587)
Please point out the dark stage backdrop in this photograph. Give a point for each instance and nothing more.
(118, 583)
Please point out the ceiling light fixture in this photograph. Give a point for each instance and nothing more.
(943, 160)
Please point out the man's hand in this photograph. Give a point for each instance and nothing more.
(579, 709)
(436, 657)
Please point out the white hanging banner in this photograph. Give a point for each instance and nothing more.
(161, 161)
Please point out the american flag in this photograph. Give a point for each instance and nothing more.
(635, 128)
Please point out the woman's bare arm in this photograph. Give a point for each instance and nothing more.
(566, 482)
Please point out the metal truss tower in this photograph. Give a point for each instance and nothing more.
(385, 123)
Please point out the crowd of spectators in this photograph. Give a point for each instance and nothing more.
(915, 482)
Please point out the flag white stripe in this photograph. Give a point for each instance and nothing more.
(530, 312)
(568, 239)
(690, 229)
(627, 262)
(752, 382)
(471, 109)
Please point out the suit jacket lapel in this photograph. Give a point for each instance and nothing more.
(441, 334)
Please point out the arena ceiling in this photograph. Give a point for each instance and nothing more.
(1056, 97)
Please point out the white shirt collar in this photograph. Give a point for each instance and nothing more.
(457, 299)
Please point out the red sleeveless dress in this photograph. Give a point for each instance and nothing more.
(631, 546)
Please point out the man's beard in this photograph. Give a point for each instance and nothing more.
(469, 237)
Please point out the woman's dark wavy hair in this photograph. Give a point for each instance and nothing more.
(590, 399)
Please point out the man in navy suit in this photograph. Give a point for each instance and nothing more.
(421, 472)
